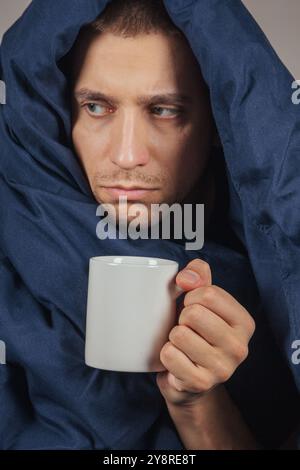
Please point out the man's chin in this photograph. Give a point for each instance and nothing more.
(140, 215)
(132, 214)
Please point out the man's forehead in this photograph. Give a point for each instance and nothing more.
(154, 54)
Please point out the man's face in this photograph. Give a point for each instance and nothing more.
(141, 118)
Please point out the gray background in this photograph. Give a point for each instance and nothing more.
(280, 20)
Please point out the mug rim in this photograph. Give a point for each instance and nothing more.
(153, 262)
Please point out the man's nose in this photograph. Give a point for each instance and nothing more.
(129, 146)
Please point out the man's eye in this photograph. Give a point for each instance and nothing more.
(165, 112)
(97, 109)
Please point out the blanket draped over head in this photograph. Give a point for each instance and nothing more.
(49, 398)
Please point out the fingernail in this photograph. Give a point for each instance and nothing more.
(190, 276)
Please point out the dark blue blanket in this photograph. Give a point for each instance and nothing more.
(49, 398)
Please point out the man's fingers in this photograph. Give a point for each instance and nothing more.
(207, 324)
(224, 305)
(194, 378)
(197, 273)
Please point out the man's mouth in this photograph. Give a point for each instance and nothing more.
(132, 193)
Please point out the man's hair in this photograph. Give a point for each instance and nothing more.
(125, 18)
(128, 18)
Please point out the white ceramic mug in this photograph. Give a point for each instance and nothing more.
(131, 309)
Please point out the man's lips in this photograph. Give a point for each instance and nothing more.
(133, 193)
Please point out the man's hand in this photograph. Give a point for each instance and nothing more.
(209, 342)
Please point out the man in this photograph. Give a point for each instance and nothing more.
(152, 131)
(125, 135)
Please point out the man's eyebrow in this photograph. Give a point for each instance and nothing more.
(91, 95)
(163, 98)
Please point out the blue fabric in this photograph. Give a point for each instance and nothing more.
(49, 398)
